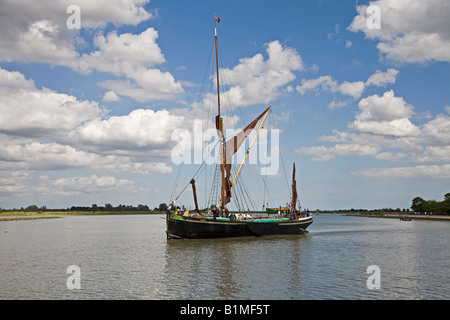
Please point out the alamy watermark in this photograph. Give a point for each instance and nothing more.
(374, 280)
(374, 20)
(74, 20)
(74, 280)
(198, 146)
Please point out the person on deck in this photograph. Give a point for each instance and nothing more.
(216, 212)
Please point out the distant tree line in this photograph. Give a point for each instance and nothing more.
(418, 205)
(431, 206)
(110, 207)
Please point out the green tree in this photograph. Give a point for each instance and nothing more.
(446, 203)
(418, 205)
(162, 207)
(32, 208)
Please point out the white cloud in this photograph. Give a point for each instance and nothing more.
(336, 105)
(447, 109)
(31, 188)
(144, 82)
(14, 81)
(353, 89)
(383, 130)
(386, 115)
(37, 31)
(115, 51)
(438, 130)
(46, 156)
(41, 129)
(411, 31)
(417, 172)
(39, 34)
(92, 184)
(380, 78)
(146, 85)
(110, 96)
(255, 80)
(140, 128)
(327, 83)
(29, 112)
(323, 153)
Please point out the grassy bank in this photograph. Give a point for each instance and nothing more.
(15, 215)
(425, 217)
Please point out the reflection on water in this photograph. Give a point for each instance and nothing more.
(253, 268)
(128, 257)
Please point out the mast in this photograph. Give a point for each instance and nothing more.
(294, 192)
(219, 125)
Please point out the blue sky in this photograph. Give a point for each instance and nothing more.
(86, 116)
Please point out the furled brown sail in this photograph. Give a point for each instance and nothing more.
(294, 191)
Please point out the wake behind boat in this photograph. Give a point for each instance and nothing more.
(219, 223)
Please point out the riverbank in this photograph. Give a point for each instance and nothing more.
(22, 215)
(424, 217)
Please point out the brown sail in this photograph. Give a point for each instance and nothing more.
(231, 147)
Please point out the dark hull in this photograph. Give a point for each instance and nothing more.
(191, 228)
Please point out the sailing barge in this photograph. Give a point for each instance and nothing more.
(182, 225)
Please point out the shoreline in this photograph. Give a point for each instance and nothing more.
(423, 217)
(21, 215)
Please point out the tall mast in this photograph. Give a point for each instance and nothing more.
(220, 128)
(217, 70)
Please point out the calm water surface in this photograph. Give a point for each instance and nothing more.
(128, 257)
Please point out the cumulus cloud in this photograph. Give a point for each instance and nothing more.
(32, 188)
(385, 115)
(114, 52)
(327, 83)
(46, 156)
(353, 89)
(337, 104)
(39, 33)
(92, 184)
(383, 129)
(41, 129)
(417, 172)
(258, 80)
(144, 81)
(438, 130)
(411, 31)
(323, 154)
(28, 111)
(380, 78)
(110, 96)
(140, 128)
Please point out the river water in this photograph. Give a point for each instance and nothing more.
(129, 257)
